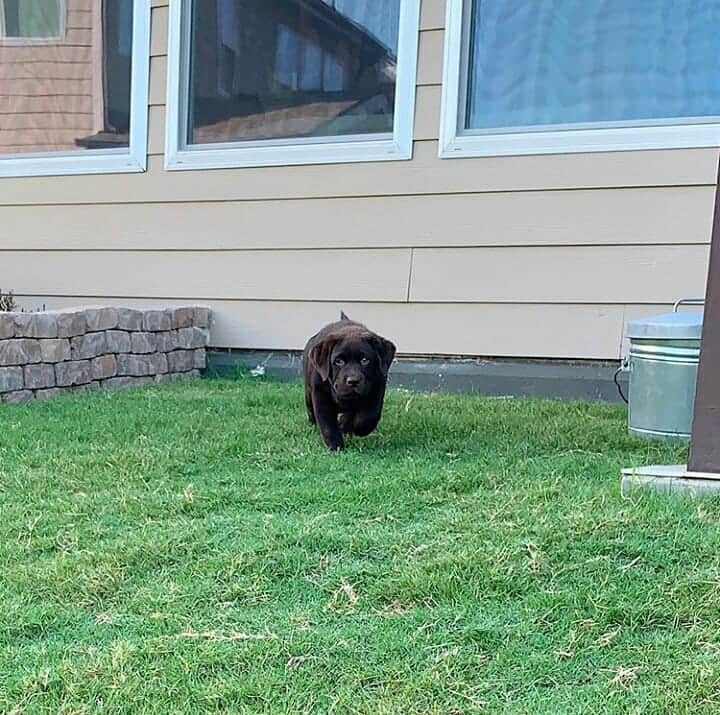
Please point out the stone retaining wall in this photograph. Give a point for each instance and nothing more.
(46, 354)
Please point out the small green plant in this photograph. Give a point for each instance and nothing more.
(7, 301)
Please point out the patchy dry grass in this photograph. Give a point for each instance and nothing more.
(194, 549)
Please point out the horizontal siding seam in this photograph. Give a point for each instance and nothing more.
(360, 196)
(354, 301)
(365, 247)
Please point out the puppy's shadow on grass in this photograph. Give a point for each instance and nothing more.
(392, 438)
(435, 430)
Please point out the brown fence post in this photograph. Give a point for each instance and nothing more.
(705, 441)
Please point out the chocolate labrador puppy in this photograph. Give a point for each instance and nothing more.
(346, 367)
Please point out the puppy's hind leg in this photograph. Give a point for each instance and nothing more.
(309, 405)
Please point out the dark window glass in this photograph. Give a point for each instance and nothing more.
(36, 19)
(280, 69)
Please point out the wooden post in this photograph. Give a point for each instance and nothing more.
(705, 441)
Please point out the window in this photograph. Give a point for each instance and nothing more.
(553, 76)
(277, 82)
(32, 19)
(73, 104)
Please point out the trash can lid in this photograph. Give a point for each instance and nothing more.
(670, 326)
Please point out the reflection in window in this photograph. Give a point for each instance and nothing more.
(59, 96)
(281, 69)
(539, 63)
(302, 64)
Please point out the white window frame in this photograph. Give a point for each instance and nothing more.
(101, 161)
(455, 142)
(180, 156)
(6, 41)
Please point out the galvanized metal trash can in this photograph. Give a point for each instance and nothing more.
(663, 364)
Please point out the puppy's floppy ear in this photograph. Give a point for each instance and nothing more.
(386, 353)
(320, 357)
(343, 316)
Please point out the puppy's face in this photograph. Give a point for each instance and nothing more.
(355, 365)
(354, 368)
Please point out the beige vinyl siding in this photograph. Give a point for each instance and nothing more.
(630, 217)
(355, 275)
(422, 329)
(541, 256)
(557, 274)
(654, 274)
(425, 175)
(46, 90)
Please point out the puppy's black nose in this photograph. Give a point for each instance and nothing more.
(352, 381)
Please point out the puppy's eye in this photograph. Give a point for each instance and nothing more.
(339, 362)
(364, 362)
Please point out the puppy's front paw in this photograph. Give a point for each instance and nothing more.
(332, 437)
(335, 445)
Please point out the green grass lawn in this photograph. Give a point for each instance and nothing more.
(194, 548)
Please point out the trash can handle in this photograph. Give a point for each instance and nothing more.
(688, 301)
(616, 379)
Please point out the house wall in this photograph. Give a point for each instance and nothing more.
(48, 92)
(543, 256)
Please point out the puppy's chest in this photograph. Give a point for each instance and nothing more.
(353, 404)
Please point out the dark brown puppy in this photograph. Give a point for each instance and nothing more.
(346, 367)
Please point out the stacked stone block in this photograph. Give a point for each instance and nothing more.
(47, 354)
